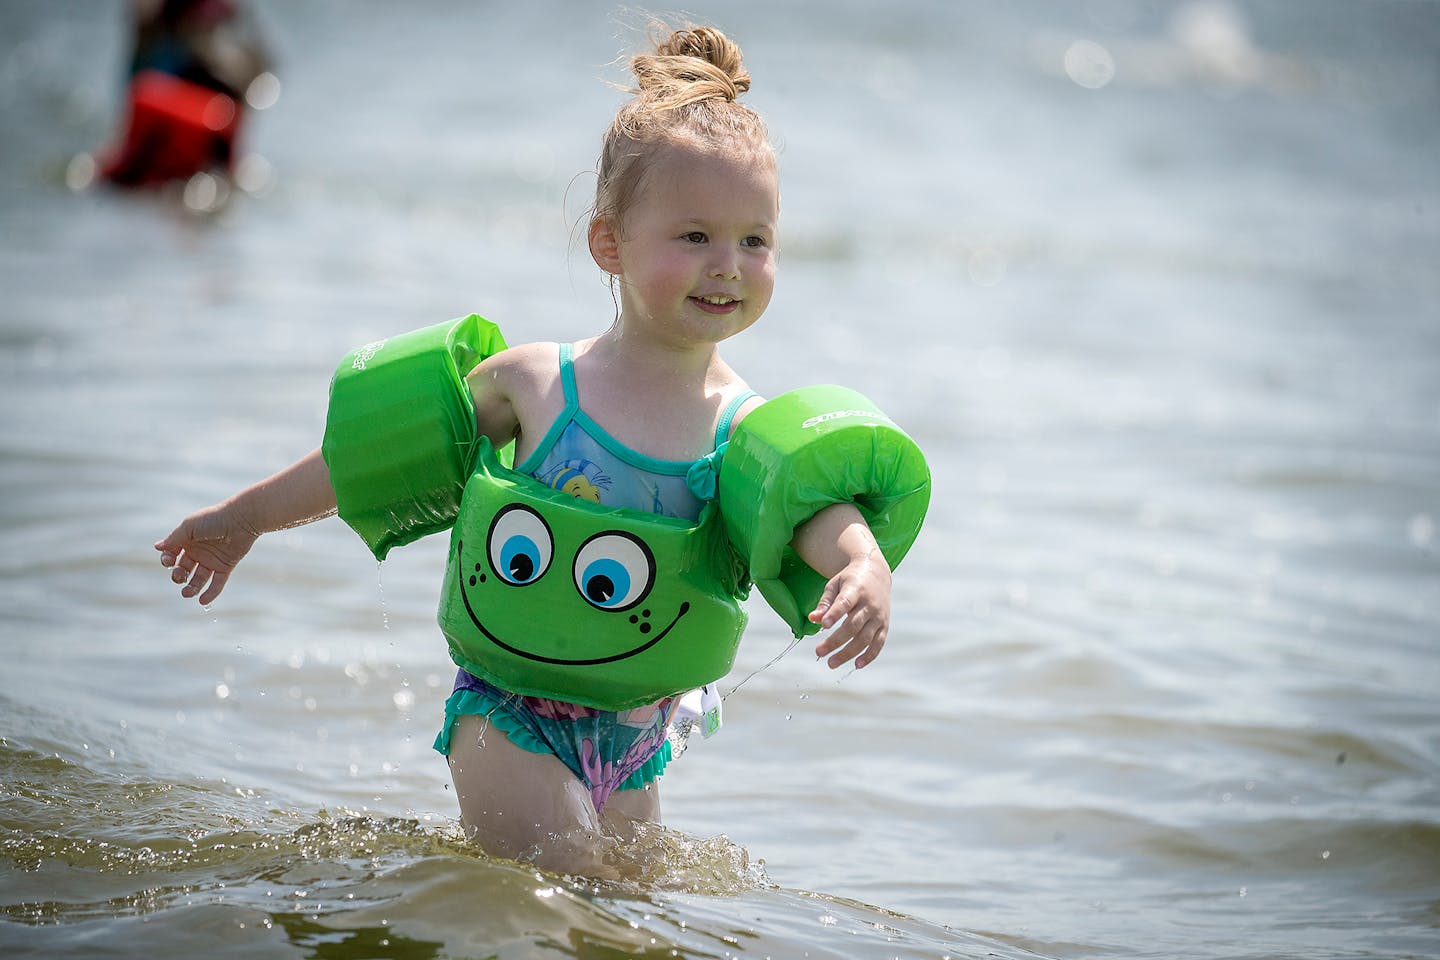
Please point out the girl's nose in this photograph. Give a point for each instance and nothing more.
(726, 266)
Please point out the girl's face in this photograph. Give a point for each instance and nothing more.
(695, 253)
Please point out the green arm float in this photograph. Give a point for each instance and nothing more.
(795, 455)
(400, 434)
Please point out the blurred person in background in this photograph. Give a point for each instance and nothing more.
(193, 66)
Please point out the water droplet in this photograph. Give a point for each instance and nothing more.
(254, 174)
(384, 609)
(80, 172)
(986, 266)
(263, 91)
(1089, 65)
(205, 193)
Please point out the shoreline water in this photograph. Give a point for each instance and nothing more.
(1162, 676)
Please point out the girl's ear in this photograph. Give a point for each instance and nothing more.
(605, 245)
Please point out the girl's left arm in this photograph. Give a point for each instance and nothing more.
(838, 544)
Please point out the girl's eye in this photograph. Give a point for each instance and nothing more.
(614, 571)
(520, 545)
(695, 237)
(754, 241)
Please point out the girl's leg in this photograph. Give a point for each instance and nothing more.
(627, 806)
(523, 805)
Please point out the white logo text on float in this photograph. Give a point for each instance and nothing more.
(366, 353)
(818, 419)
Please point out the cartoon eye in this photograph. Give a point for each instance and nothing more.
(614, 571)
(520, 545)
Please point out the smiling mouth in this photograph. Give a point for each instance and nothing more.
(625, 655)
(716, 304)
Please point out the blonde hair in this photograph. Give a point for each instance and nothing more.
(686, 95)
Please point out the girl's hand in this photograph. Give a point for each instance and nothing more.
(204, 549)
(860, 594)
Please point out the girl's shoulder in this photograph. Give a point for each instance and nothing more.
(733, 389)
(517, 373)
(746, 407)
(523, 363)
(517, 389)
(527, 355)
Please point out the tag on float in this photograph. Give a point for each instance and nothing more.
(709, 709)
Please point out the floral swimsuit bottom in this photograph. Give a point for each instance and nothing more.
(607, 750)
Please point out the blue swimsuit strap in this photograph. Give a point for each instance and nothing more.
(573, 412)
(557, 427)
(722, 430)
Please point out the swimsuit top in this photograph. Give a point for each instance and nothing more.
(577, 456)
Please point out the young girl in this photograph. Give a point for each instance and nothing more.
(685, 223)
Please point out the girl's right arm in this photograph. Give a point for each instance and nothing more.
(204, 549)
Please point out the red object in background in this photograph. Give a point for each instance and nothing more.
(175, 130)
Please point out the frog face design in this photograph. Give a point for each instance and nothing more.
(521, 569)
(550, 595)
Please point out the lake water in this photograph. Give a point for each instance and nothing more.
(1154, 284)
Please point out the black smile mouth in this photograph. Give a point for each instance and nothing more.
(633, 652)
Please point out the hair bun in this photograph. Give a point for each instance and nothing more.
(691, 65)
(688, 86)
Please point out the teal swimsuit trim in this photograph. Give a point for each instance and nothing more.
(577, 455)
(603, 752)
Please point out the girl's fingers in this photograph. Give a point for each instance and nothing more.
(849, 652)
(198, 580)
(216, 585)
(838, 606)
(822, 605)
(836, 639)
(844, 643)
(872, 650)
(851, 642)
(182, 568)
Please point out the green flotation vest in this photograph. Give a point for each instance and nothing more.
(552, 596)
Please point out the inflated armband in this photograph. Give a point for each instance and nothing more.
(795, 455)
(400, 432)
(550, 595)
